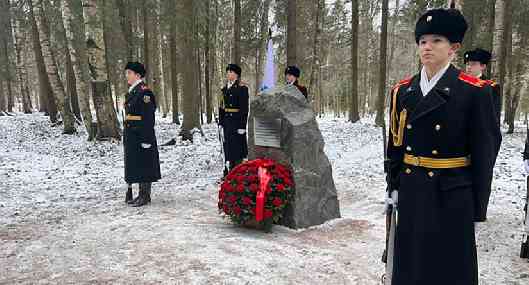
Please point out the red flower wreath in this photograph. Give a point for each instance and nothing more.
(257, 190)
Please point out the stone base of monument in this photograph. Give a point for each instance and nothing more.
(283, 127)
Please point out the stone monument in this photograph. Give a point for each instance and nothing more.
(282, 126)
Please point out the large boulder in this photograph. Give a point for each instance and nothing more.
(301, 148)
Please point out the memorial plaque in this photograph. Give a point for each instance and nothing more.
(267, 132)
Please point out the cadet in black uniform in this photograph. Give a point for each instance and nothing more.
(442, 148)
(142, 164)
(292, 74)
(233, 115)
(476, 64)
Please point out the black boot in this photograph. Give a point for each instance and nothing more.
(128, 195)
(133, 201)
(144, 197)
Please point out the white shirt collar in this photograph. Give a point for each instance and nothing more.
(230, 83)
(135, 84)
(428, 85)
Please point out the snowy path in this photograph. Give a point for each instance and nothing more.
(62, 219)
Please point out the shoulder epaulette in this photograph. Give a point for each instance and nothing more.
(469, 79)
(491, 82)
(402, 82)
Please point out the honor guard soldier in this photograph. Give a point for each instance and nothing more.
(233, 115)
(292, 74)
(476, 62)
(142, 164)
(442, 147)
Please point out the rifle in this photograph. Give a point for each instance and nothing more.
(390, 207)
(220, 132)
(391, 217)
(524, 251)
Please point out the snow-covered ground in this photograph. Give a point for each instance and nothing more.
(63, 219)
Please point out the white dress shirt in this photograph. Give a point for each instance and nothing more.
(135, 84)
(428, 85)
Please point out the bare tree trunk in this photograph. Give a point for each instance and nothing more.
(126, 26)
(166, 71)
(156, 79)
(146, 37)
(191, 104)
(207, 58)
(510, 111)
(57, 86)
(2, 98)
(353, 111)
(382, 63)
(291, 32)
(107, 123)
(22, 76)
(174, 74)
(110, 66)
(199, 86)
(490, 32)
(71, 86)
(236, 47)
(46, 96)
(499, 50)
(315, 63)
(504, 15)
(392, 47)
(79, 60)
(6, 37)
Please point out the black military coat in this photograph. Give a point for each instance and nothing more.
(437, 208)
(496, 96)
(141, 164)
(233, 116)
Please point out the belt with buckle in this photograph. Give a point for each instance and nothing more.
(231, 110)
(436, 163)
(132, 118)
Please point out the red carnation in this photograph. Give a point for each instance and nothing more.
(240, 188)
(280, 187)
(226, 209)
(237, 210)
(254, 188)
(232, 199)
(228, 188)
(246, 201)
(267, 214)
(277, 202)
